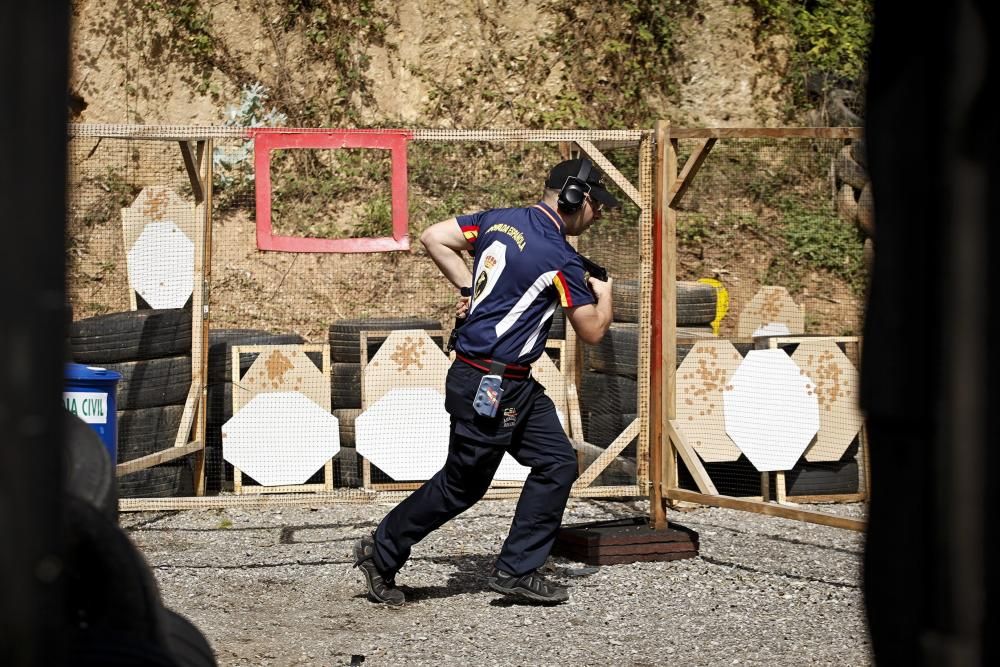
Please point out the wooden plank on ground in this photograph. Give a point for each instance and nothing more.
(769, 509)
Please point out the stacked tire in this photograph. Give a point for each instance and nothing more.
(151, 349)
(220, 391)
(345, 381)
(609, 381)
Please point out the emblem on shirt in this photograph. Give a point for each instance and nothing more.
(509, 417)
(489, 262)
(480, 285)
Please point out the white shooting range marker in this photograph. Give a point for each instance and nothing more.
(771, 410)
(161, 265)
(280, 438)
(405, 434)
(770, 307)
(701, 378)
(836, 380)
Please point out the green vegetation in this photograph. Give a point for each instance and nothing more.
(625, 50)
(831, 40)
(817, 238)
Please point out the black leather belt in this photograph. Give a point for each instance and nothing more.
(510, 371)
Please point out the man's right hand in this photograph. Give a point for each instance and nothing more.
(600, 288)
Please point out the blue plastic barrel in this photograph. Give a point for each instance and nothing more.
(90, 393)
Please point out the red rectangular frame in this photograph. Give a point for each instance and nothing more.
(269, 139)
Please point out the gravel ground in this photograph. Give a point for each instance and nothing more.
(276, 587)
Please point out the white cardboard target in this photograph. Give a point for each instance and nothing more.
(548, 374)
(405, 434)
(836, 382)
(771, 410)
(280, 438)
(408, 358)
(282, 369)
(161, 265)
(160, 204)
(701, 378)
(769, 308)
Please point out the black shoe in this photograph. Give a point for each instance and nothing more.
(531, 586)
(380, 589)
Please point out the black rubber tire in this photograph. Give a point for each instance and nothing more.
(696, 303)
(345, 385)
(848, 171)
(89, 474)
(345, 420)
(825, 477)
(186, 643)
(859, 151)
(152, 383)
(147, 430)
(625, 300)
(168, 480)
(111, 596)
(131, 336)
(347, 468)
(617, 353)
(220, 409)
(220, 353)
(820, 479)
(731, 478)
(345, 335)
(607, 393)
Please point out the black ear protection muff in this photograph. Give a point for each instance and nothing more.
(574, 190)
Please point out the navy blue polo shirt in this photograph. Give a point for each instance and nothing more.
(523, 270)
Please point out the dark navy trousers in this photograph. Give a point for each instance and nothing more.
(527, 427)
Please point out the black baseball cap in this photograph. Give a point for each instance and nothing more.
(566, 169)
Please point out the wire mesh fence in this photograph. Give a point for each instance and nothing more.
(324, 371)
(768, 404)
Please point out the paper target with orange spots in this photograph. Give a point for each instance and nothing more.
(701, 379)
(836, 382)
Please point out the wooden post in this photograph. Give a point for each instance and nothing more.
(663, 351)
(200, 322)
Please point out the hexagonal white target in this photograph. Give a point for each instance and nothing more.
(836, 381)
(771, 410)
(280, 438)
(405, 434)
(161, 265)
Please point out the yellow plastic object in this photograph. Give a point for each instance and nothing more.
(721, 302)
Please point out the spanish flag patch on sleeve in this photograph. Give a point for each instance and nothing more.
(565, 299)
(470, 232)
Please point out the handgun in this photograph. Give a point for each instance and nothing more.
(594, 269)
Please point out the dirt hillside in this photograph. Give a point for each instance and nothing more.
(124, 69)
(419, 64)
